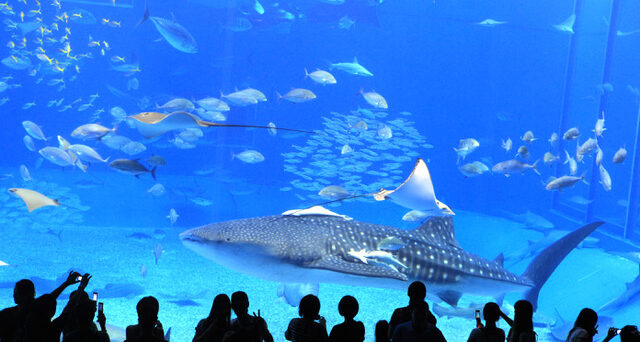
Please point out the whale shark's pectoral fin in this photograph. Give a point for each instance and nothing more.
(337, 264)
(292, 293)
(450, 297)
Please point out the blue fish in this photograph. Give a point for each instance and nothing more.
(174, 33)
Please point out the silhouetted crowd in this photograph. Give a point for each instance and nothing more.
(31, 320)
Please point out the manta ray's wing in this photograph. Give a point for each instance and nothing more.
(34, 199)
(417, 191)
(153, 124)
(338, 264)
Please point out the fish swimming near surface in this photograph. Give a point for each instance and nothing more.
(508, 167)
(352, 68)
(620, 155)
(315, 248)
(175, 34)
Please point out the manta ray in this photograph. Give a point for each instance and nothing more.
(153, 124)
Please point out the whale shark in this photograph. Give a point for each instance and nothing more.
(317, 248)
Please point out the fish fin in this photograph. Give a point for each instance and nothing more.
(355, 60)
(153, 172)
(293, 292)
(335, 263)
(450, 297)
(439, 228)
(306, 73)
(507, 175)
(543, 265)
(167, 336)
(499, 259)
(499, 299)
(146, 14)
(535, 167)
(279, 96)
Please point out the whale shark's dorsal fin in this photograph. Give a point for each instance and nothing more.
(439, 229)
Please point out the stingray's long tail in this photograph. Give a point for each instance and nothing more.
(546, 262)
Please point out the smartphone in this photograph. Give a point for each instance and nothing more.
(478, 321)
(618, 331)
(79, 278)
(95, 296)
(100, 307)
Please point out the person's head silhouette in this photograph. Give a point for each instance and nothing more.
(416, 292)
(491, 312)
(24, 292)
(629, 333)
(85, 310)
(309, 307)
(240, 303)
(382, 328)
(148, 308)
(221, 307)
(348, 307)
(587, 320)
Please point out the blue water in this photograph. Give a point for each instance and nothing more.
(445, 78)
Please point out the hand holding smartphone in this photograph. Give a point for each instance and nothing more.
(95, 296)
(478, 321)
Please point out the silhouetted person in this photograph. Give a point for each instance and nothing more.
(214, 327)
(66, 321)
(417, 293)
(350, 330)
(419, 328)
(246, 327)
(148, 329)
(382, 331)
(489, 332)
(586, 326)
(84, 328)
(629, 333)
(522, 323)
(12, 320)
(305, 328)
(38, 326)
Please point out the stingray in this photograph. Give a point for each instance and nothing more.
(34, 199)
(416, 193)
(153, 124)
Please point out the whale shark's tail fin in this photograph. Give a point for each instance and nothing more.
(546, 262)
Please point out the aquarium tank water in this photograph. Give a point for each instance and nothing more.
(183, 149)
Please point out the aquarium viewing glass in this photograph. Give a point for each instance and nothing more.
(324, 147)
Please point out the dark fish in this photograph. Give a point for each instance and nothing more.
(131, 167)
(139, 236)
(184, 302)
(157, 252)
